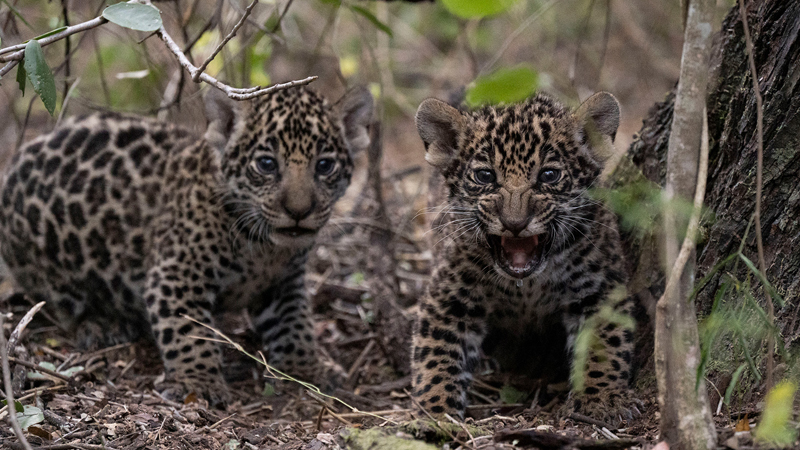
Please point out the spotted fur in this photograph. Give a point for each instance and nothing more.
(522, 255)
(127, 225)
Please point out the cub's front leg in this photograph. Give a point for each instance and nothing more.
(446, 342)
(282, 316)
(606, 393)
(192, 362)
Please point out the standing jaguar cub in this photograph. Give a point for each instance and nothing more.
(522, 254)
(125, 224)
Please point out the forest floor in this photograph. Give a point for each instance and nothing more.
(108, 399)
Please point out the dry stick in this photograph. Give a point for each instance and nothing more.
(12, 410)
(202, 68)
(231, 92)
(360, 360)
(14, 337)
(762, 266)
(283, 14)
(694, 219)
(17, 52)
(43, 370)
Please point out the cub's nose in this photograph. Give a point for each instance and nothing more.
(298, 209)
(515, 225)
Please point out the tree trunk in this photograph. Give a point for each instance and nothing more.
(730, 194)
(685, 415)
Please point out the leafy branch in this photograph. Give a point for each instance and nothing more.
(142, 16)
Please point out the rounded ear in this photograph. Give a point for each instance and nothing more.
(439, 125)
(221, 115)
(355, 110)
(599, 114)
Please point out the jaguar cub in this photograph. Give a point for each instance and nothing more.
(128, 225)
(523, 256)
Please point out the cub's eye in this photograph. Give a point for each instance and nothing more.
(485, 176)
(266, 165)
(325, 166)
(550, 176)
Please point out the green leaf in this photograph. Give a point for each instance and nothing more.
(371, 17)
(22, 77)
(134, 16)
(472, 9)
(733, 383)
(40, 75)
(504, 86)
(31, 415)
(510, 395)
(269, 390)
(51, 32)
(775, 429)
(771, 290)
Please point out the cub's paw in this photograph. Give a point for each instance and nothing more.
(188, 389)
(609, 406)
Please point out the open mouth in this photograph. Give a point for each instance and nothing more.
(518, 257)
(295, 231)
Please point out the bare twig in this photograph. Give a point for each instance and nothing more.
(12, 411)
(283, 14)
(694, 219)
(359, 361)
(13, 54)
(17, 52)
(762, 266)
(202, 68)
(14, 337)
(43, 370)
(586, 419)
(231, 92)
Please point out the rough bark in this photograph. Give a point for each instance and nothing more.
(730, 194)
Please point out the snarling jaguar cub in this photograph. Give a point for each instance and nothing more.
(127, 225)
(522, 254)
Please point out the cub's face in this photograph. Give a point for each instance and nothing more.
(288, 160)
(517, 175)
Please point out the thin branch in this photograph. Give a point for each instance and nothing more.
(7, 68)
(202, 68)
(17, 52)
(26, 319)
(12, 410)
(231, 92)
(283, 14)
(694, 219)
(762, 266)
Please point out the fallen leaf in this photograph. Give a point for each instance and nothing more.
(743, 424)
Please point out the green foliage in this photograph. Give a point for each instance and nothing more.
(503, 86)
(641, 205)
(474, 9)
(371, 17)
(775, 428)
(510, 395)
(22, 78)
(134, 16)
(50, 366)
(17, 405)
(39, 74)
(51, 32)
(30, 415)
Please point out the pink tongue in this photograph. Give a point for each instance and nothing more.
(519, 251)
